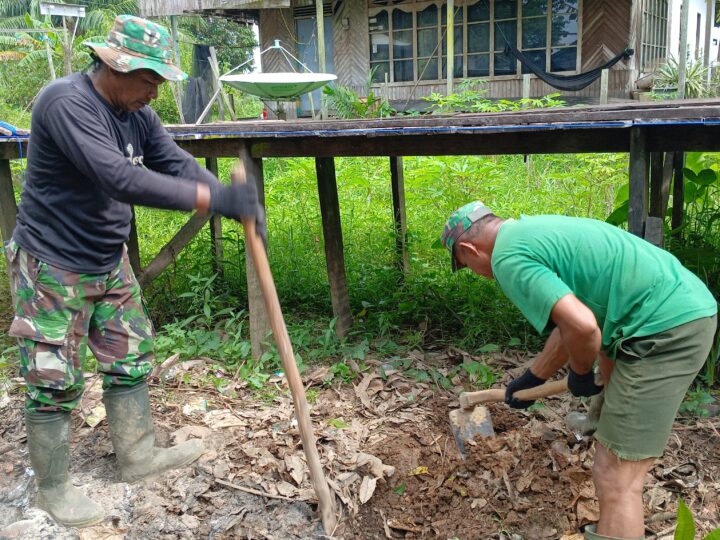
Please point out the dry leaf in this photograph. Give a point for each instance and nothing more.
(296, 467)
(367, 488)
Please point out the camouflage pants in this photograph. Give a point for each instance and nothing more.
(59, 313)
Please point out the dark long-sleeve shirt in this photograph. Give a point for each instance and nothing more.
(85, 167)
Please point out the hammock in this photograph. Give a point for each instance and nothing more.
(570, 83)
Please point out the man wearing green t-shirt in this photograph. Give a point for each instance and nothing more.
(600, 293)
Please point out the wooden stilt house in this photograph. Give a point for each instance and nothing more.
(402, 45)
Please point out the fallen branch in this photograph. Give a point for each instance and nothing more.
(253, 491)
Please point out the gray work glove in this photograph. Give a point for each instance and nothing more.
(239, 201)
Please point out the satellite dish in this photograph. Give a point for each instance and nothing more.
(281, 86)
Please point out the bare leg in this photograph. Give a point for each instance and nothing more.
(619, 488)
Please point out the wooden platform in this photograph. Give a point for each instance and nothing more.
(654, 133)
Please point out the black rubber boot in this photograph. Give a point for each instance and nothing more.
(48, 440)
(133, 436)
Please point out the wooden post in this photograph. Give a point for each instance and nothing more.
(400, 218)
(682, 55)
(51, 65)
(709, 24)
(332, 233)
(678, 209)
(133, 246)
(655, 221)
(178, 93)
(526, 86)
(215, 226)
(604, 79)
(450, 35)
(8, 207)
(320, 21)
(259, 323)
(639, 164)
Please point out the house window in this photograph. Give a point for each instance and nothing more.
(408, 39)
(391, 45)
(653, 44)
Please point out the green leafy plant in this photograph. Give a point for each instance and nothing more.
(685, 529)
(471, 97)
(347, 103)
(667, 79)
(696, 402)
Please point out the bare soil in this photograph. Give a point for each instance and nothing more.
(388, 453)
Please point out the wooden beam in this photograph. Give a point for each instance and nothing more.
(450, 37)
(8, 207)
(133, 246)
(332, 233)
(215, 226)
(259, 322)
(322, 62)
(639, 165)
(678, 208)
(682, 55)
(399, 215)
(170, 251)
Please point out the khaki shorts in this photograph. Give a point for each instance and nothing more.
(649, 381)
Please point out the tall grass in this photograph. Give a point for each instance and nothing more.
(429, 304)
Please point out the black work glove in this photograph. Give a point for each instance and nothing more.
(524, 381)
(583, 385)
(238, 201)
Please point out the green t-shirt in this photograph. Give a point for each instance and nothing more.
(634, 288)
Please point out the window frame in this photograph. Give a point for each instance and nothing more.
(416, 6)
(654, 35)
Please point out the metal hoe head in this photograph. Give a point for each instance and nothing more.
(466, 425)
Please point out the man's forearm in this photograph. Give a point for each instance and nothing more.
(553, 356)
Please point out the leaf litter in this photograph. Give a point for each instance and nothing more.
(389, 457)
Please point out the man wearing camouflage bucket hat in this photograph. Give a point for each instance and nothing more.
(598, 292)
(95, 150)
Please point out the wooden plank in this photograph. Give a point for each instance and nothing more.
(8, 207)
(639, 164)
(259, 322)
(133, 246)
(332, 233)
(656, 178)
(170, 251)
(678, 208)
(397, 176)
(548, 141)
(215, 227)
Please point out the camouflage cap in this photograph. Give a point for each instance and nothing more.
(459, 222)
(136, 43)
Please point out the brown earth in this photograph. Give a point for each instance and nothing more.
(387, 451)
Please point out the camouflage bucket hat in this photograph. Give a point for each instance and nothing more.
(459, 222)
(136, 43)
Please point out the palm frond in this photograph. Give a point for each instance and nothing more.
(13, 8)
(33, 57)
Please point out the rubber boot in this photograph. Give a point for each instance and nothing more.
(590, 534)
(133, 436)
(48, 440)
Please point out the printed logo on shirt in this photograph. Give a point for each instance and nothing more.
(135, 160)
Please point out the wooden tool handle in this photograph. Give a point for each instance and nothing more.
(469, 399)
(326, 502)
